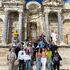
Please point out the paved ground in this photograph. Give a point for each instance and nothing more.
(65, 52)
(3, 58)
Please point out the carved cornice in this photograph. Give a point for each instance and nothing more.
(47, 10)
(12, 5)
(66, 10)
(53, 4)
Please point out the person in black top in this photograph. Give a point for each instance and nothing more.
(56, 60)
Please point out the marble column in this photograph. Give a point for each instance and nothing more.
(5, 28)
(25, 27)
(0, 3)
(20, 26)
(60, 35)
(46, 27)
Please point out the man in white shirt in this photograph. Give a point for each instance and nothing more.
(54, 37)
(21, 56)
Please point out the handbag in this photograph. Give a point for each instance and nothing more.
(16, 62)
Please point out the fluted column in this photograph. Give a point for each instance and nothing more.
(60, 35)
(46, 27)
(20, 25)
(5, 28)
(25, 27)
(0, 3)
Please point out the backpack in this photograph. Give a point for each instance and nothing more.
(55, 58)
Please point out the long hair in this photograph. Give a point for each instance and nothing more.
(27, 51)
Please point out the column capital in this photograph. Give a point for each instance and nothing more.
(20, 10)
(6, 12)
(46, 11)
(59, 12)
(46, 14)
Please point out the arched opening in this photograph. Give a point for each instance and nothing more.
(12, 24)
(1, 29)
(53, 20)
(32, 30)
(66, 31)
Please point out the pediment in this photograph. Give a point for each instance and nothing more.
(33, 6)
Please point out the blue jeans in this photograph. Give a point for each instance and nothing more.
(28, 65)
(49, 63)
(38, 64)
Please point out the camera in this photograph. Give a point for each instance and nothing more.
(22, 53)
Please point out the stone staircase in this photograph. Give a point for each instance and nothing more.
(64, 52)
(3, 58)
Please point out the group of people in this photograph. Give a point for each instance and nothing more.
(49, 57)
(41, 54)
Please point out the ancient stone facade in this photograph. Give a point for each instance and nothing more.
(32, 19)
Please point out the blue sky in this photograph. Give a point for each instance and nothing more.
(67, 1)
(40, 1)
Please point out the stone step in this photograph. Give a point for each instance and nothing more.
(3, 56)
(64, 52)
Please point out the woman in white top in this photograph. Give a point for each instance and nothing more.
(27, 60)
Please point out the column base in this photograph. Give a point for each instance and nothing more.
(4, 44)
(62, 44)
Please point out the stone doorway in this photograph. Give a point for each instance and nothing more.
(53, 23)
(66, 31)
(31, 30)
(1, 30)
(12, 24)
